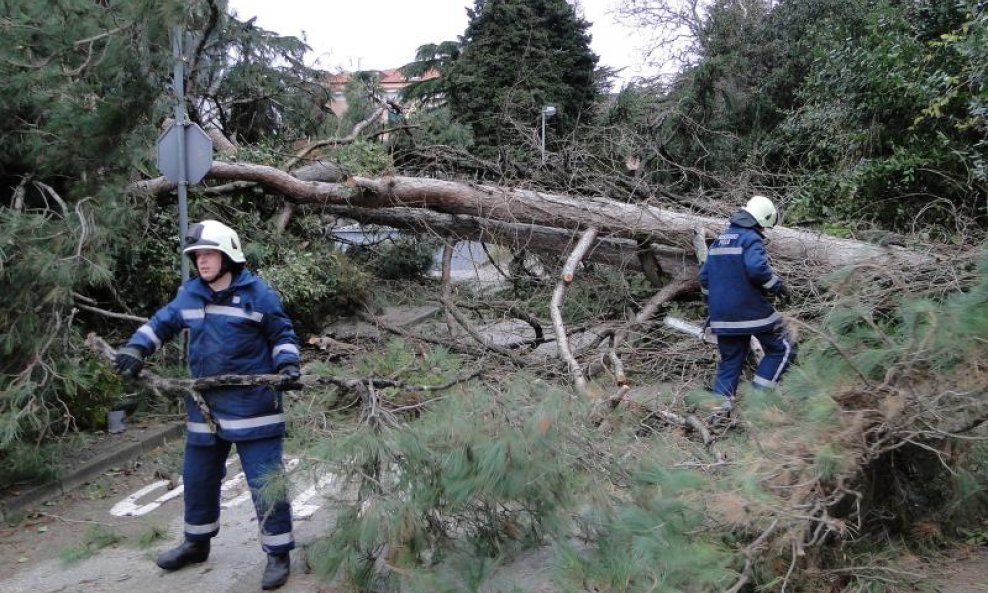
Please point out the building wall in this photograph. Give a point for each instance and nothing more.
(391, 82)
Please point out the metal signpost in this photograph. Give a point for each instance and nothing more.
(185, 151)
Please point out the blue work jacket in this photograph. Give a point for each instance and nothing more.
(736, 277)
(242, 330)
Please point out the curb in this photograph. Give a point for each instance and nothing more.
(35, 495)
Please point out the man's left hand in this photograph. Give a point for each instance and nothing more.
(784, 294)
(292, 373)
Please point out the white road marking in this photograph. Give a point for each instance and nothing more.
(301, 508)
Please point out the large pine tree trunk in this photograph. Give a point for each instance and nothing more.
(613, 218)
(616, 220)
(615, 251)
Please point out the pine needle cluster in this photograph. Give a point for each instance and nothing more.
(48, 385)
(480, 474)
(877, 433)
(866, 438)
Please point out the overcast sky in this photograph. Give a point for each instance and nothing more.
(379, 34)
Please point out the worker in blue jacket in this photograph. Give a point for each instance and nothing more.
(737, 279)
(236, 326)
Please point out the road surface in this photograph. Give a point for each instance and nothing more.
(36, 555)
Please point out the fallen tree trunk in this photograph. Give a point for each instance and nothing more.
(623, 253)
(611, 217)
(571, 213)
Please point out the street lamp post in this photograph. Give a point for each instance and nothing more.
(547, 112)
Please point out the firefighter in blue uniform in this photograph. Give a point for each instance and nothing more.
(737, 278)
(236, 326)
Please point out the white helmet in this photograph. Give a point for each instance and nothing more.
(763, 210)
(212, 234)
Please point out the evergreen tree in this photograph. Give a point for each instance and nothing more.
(517, 57)
(256, 85)
(81, 80)
(86, 86)
(77, 79)
(430, 58)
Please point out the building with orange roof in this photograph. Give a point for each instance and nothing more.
(390, 81)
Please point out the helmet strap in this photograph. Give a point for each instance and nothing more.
(225, 266)
(231, 266)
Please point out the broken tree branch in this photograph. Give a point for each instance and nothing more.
(166, 384)
(110, 314)
(555, 308)
(447, 288)
(348, 139)
(460, 318)
(750, 554)
(578, 253)
(679, 285)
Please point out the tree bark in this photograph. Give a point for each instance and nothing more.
(571, 213)
(319, 171)
(538, 239)
(612, 218)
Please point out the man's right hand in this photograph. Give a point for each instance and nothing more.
(129, 362)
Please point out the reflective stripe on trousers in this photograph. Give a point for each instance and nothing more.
(261, 460)
(779, 350)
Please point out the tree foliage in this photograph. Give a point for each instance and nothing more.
(78, 79)
(435, 59)
(86, 86)
(471, 480)
(865, 111)
(889, 127)
(254, 84)
(856, 112)
(518, 56)
(43, 377)
(81, 80)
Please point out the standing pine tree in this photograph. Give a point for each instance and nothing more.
(85, 86)
(517, 57)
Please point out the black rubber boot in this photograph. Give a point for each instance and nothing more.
(184, 554)
(276, 572)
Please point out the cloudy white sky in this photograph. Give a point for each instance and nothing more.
(378, 34)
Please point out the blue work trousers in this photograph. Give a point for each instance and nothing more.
(779, 349)
(204, 470)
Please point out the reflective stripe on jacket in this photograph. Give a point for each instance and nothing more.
(242, 330)
(736, 277)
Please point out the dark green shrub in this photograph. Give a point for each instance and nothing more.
(404, 258)
(314, 284)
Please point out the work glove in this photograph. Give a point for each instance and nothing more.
(784, 294)
(291, 372)
(129, 362)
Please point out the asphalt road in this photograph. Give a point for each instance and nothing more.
(38, 551)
